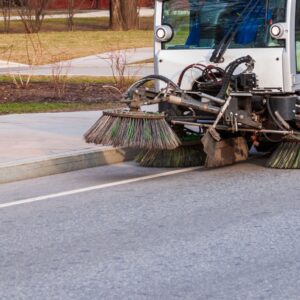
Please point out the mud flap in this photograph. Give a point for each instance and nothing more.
(224, 152)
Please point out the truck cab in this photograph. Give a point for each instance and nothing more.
(191, 31)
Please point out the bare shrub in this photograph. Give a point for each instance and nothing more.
(118, 62)
(32, 14)
(34, 53)
(59, 75)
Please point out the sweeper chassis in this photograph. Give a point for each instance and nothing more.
(235, 115)
(227, 78)
(215, 123)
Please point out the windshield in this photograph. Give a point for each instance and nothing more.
(203, 24)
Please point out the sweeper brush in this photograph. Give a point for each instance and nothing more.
(286, 156)
(133, 129)
(181, 157)
(189, 154)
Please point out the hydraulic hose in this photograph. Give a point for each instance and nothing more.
(129, 93)
(229, 72)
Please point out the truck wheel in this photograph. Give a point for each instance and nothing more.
(266, 146)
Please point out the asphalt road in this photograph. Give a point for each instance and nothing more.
(230, 233)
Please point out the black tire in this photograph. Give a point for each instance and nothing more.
(266, 146)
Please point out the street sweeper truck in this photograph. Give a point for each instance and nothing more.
(227, 78)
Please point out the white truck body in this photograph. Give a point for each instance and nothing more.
(275, 67)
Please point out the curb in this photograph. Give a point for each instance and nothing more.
(67, 162)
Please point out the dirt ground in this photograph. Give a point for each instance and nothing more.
(47, 92)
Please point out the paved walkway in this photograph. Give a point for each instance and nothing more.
(144, 12)
(41, 135)
(38, 136)
(35, 145)
(94, 65)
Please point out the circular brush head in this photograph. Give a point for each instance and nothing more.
(286, 156)
(181, 157)
(133, 129)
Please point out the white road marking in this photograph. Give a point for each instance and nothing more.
(96, 187)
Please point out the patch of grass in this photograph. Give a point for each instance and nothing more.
(20, 108)
(72, 79)
(57, 46)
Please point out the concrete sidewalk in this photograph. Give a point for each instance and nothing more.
(35, 136)
(33, 145)
(93, 65)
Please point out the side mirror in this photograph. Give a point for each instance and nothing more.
(279, 31)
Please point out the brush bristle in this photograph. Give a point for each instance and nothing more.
(286, 156)
(181, 157)
(143, 131)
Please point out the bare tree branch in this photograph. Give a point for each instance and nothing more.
(32, 13)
